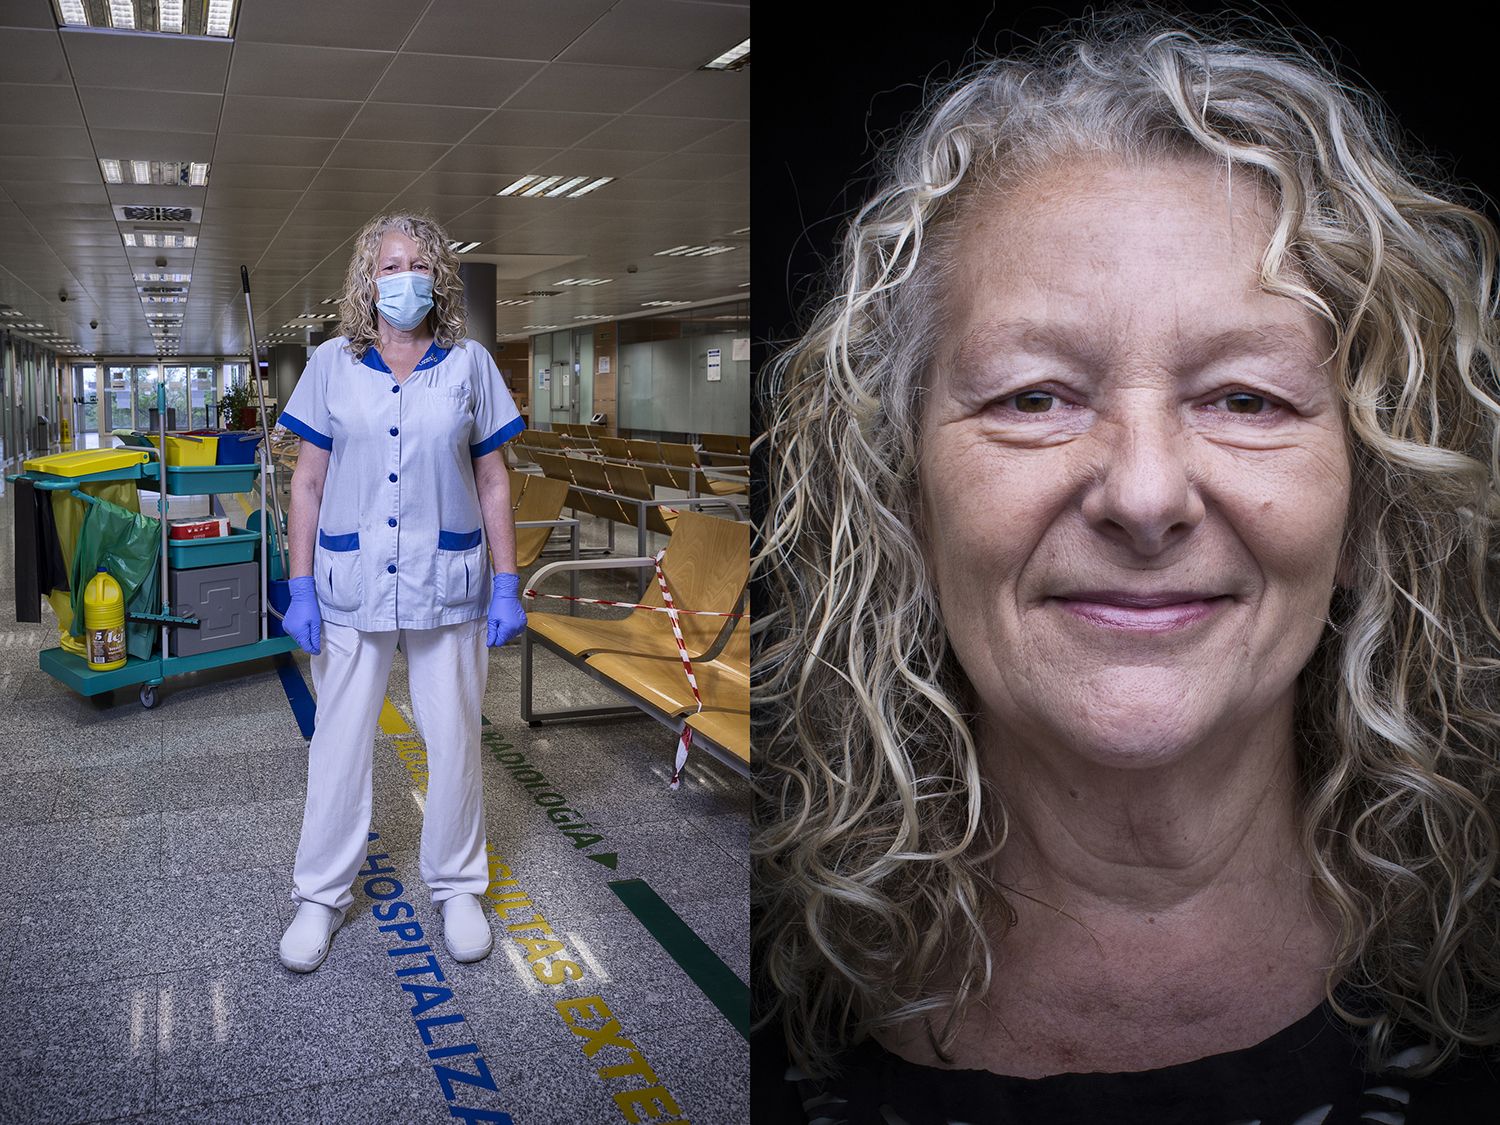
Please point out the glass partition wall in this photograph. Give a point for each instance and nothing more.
(121, 395)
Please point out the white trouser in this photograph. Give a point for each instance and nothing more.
(446, 667)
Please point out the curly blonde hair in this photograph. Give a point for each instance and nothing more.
(357, 317)
(877, 829)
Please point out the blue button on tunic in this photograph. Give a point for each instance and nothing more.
(400, 534)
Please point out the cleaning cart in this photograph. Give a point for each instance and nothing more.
(242, 557)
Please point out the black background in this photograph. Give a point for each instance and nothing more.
(831, 77)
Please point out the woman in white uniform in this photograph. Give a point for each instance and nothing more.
(400, 492)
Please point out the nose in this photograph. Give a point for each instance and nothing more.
(1144, 495)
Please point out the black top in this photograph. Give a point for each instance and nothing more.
(1305, 1074)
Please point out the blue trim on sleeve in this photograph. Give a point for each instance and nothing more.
(458, 540)
(372, 359)
(349, 542)
(303, 430)
(511, 429)
(435, 355)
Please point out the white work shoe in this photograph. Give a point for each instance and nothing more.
(306, 941)
(466, 931)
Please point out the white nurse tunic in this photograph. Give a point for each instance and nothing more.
(400, 558)
(400, 537)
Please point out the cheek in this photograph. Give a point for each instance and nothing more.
(1293, 520)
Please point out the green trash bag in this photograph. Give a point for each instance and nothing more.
(127, 544)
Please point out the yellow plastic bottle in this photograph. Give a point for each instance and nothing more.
(104, 622)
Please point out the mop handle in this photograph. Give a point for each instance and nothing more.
(265, 433)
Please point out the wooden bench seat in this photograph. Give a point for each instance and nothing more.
(707, 565)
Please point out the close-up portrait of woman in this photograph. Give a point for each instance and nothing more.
(1127, 698)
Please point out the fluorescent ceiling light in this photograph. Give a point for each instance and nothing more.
(595, 316)
(169, 15)
(584, 281)
(732, 59)
(111, 170)
(662, 304)
(513, 302)
(459, 247)
(553, 187)
(540, 327)
(163, 277)
(129, 238)
(562, 188)
(539, 187)
(330, 300)
(692, 251)
(742, 230)
(121, 14)
(140, 171)
(197, 174)
(220, 15)
(73, 13)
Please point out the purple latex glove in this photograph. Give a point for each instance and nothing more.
(304, 620)
(507, 618)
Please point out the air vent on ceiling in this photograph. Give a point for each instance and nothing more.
(542, 293)
(134, 214)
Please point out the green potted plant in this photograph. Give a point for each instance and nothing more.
(237, 408)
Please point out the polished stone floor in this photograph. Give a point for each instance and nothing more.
(150, 858)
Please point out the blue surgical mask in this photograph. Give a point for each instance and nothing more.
(405, 298)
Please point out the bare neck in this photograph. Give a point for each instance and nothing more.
(1162, 914)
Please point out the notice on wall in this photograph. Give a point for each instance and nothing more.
(714, 374)
(740, 351)
(544, 377)
(603, 369)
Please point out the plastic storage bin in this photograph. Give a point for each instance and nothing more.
(186, 450)
(226, 601)
(85, 462)
(238, 448)
(236, 547)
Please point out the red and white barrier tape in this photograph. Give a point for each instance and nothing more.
(686, 741)
(632, 605)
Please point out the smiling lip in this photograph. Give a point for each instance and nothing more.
(1162, 612)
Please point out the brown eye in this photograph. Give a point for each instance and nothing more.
(1033, 402)
(1242, 402)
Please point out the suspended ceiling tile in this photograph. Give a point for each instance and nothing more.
(50, 106)
(421, 79)
(359, 205)
(111, 108)
(523, 29)
(39, 191)
(139, 144)
(265, 199)
(377, 25)
(591, 89)
(596, 162)
(440, 207)
(33, 56)
(696, 166)
(293, 151)
(362, 179)
(732, 140)
(277, 69)
(474, 184)
(494, 159)
(660, 33)
(69, 171)
(704, 93)
(653, 134)
(414, 123)
(147, 62)
(150, 195)
(37, 140)
(27, 13)
(385, 155)
(286, 117)
(286, 178)
(528, 127)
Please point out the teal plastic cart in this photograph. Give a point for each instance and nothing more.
(242, 545)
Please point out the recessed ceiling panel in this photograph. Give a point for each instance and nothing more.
(385, 155)
(279, 69)
(414, 123)
(704, 93)
(152, 144)
(147, 62)
(147, 110)
(653, 134)
(523, 29)
(286, 117)
(41, 140)
(55, 107)
(660, 33)
(33, 56)
(237, 148)
(537, 127)
(591, 89)
(378, 25)
(420, 79)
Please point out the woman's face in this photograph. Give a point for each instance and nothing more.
(398, 254)
(1134, 473)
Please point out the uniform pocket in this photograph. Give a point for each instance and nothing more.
(338, 576)
(460, 567)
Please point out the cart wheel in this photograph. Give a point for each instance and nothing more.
(148, 696)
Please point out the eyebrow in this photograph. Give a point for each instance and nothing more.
(1079, 343)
